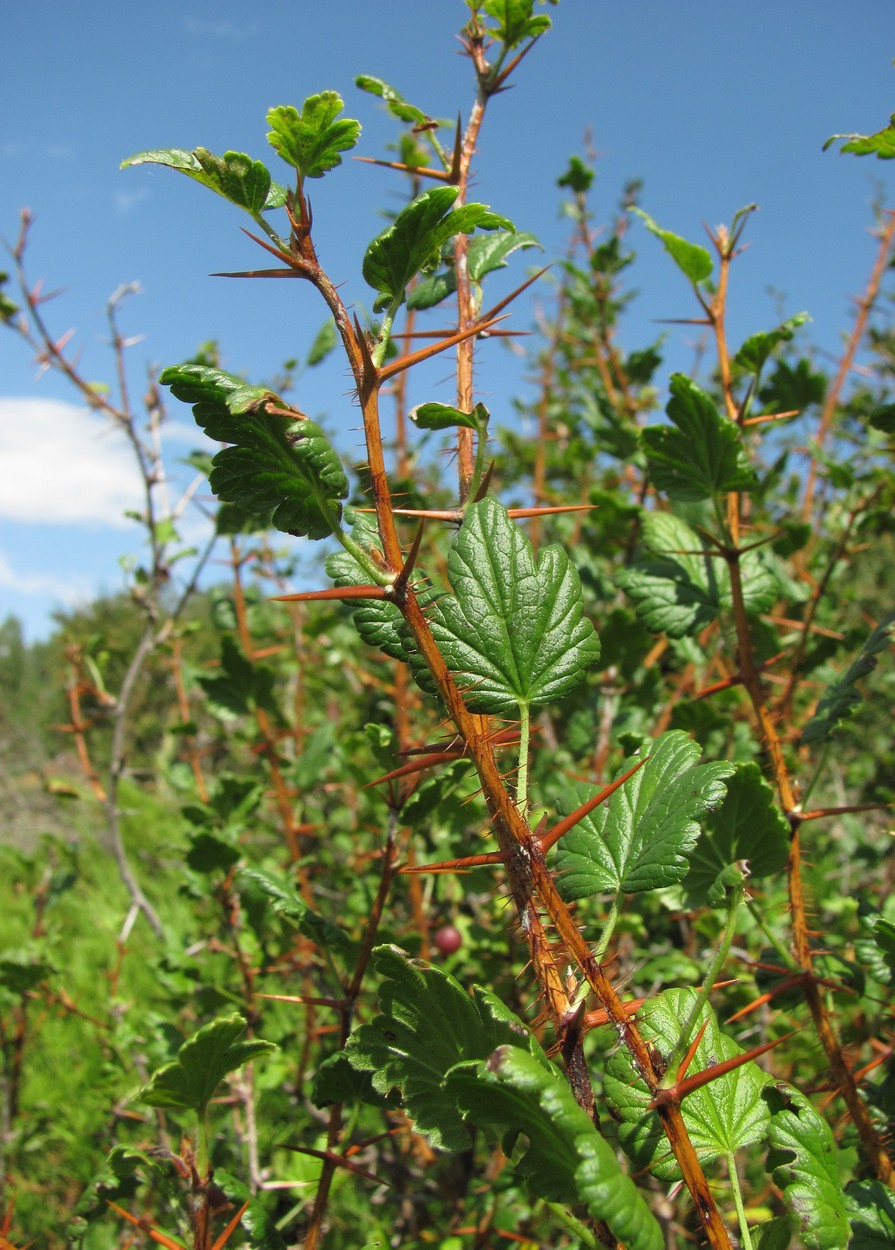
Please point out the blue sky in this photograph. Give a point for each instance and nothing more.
(713, 106)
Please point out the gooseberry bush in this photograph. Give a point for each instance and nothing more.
(528, 881)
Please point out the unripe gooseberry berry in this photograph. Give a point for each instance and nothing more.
(448, 939)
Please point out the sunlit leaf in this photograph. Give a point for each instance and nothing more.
(515, 21)
(428, 1023)
(202, 1063)
(234, 175)
(871, 1214)
(434, 416)
(678, 587)
(754, 353)
(803, 1161)
(722, 1117)
(881, 144)
(313, 140)
(694, 261)
(748, 825)
(513, 633)
(566, 1159)
(642, 837)
(285, 468)
(701, 454)
(413, 242)
(396, 103)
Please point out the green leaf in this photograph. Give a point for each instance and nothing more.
(238, 686)
(432, 290)
(489, 252)
(396, 103)
(641, 838)
(753, 355)
(883, 418)
(378, 621)
(566, 1160)
(434, 416)
(485, 254)
(313, 140)
(235, 176)
(515, 21)
(210, 852)
(881, 144)
(722, 1117)
(285, 468)
(748, 825)
(285, 902)
(513, 633)
(20, 972)
(871, 1213)
(201, 1064)
(841, 699)
(774, 1234)
(257, 1221)
(336, 1081)
(678, 588)
(428, 1024)
(804, 1165)
(325, 340)
(694, 261)
(414, 240)
(578, 177)
(703, 456)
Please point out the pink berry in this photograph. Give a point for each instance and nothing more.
(448, 939)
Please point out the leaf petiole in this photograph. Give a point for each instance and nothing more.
(737, 897)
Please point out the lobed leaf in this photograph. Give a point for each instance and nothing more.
(721, 1117)
(378, 621)
(774, 1234)
(748, 825)
(238, 686)
(428, 1023)
(515, 21)
(489, 252)
(202, 1062)
(513, 633)
(754, 353)
(804, 1165)
(312, 141)
(702, 455)
(396, 103)
(881, 144)
(693, 261)
(871, 1213)
(841, 699)
(287, 468)
(486, 253)
(566, 1160)
(413, 242)
(677, 588)
(284, 900)
(235, 176)
(643, 836)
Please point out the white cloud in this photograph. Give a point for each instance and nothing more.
(75, 590)
(126, 201)
(63, 464)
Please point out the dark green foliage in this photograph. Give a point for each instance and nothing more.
(246, 782)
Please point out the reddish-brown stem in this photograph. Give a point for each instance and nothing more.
(842, 1075)
(334, 1127)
